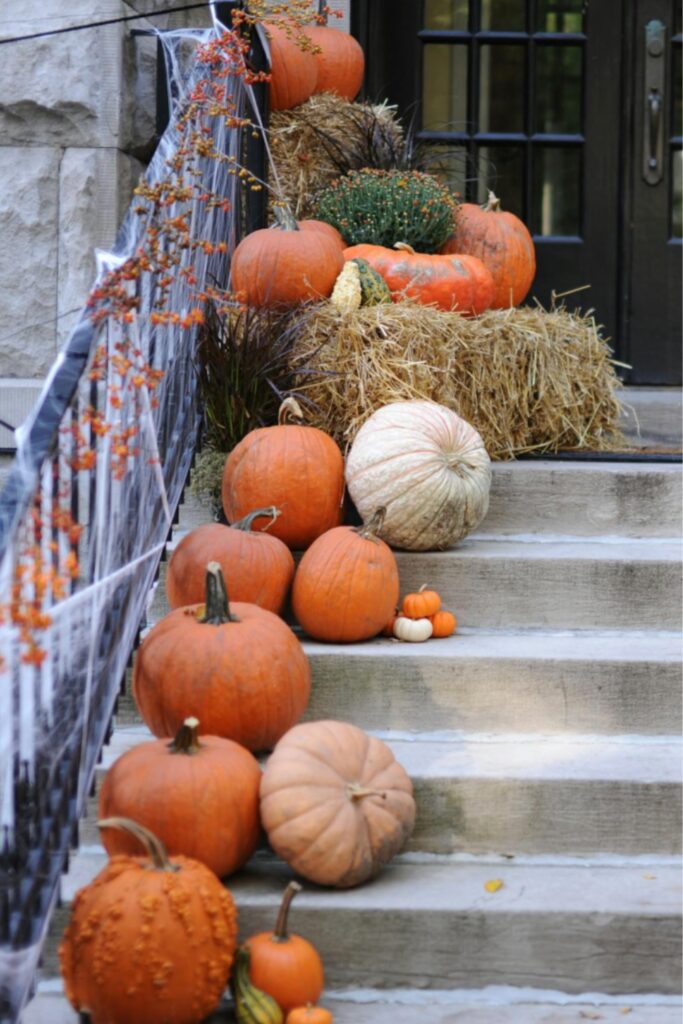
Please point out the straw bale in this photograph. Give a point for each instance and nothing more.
(528, 379)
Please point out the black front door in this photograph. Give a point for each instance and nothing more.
(558, 106)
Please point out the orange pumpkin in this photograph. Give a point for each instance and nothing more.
(388, 629)
(260, 566)
(340, 59)
(335, 803)
(293, 70)
(300, 469)
(286, 966)
(502, 241)
(459, 283)
(443, 624)
(326, 229)
(238, 668)
(346, 585)
(421, 605)
(309, 1015)
(283, 266)
(138, 932)
(199, 797)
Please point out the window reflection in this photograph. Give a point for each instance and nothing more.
(447, 14)
(558, 88)
(444, 87)
(503, 15)
(560, 15)
(556, 191)
(501, 88)
(501, 170)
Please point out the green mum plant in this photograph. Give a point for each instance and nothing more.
(378, 207)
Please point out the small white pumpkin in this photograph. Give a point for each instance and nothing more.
(415, 631)
(429, 469)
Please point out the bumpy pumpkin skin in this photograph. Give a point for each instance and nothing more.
(146, 946)
(277, 267)
(259, 566)
(294, 71)
(460, 283)
(345, 587)
(247, 681)
(200, 799)
(501, 241)
(335, 803)
(340, 60)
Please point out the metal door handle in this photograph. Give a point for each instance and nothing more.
(653, 96)
(654, 108)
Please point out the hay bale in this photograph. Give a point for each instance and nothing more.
(323, 138)
(527, 379)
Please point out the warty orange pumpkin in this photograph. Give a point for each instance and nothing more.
(259, 566)
(340, 60)
(125, 955)
(293, 69)
(238, 668)
(335, 803)
(200, 797)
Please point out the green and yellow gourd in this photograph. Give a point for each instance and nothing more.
(359, 285)
(373, 287)
(252, 1005)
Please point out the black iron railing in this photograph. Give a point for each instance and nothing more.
(89, 504)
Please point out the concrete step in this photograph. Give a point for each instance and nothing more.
(523, 794)
(613, 928)
(493, 1006)
(652, 417)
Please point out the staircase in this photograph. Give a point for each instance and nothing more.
(543, 742)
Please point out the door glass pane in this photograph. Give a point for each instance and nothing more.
(560, 15)
(447, 14)
(677, 91)
(558, 88)
(677, 198)
(679, 19)
(501, 169)
(501, 88)
(556, 191)
(451, 165)
(503, 15)
(444, 87)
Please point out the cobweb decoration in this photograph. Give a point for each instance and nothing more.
(88, 506)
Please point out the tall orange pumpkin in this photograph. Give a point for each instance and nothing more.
(340, 59)
(138, 933)
(299, 469)
(346, 585)
(200, 797)
(502, 241)
(259, 566)
(237, 668)
(293, 70)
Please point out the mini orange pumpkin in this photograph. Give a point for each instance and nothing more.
(286, 966)
(200, 797)
(421, 605)
(340, 60)
(124, 954)
(259, 566)
(443, 624)
(309, 1015)
(293, 69)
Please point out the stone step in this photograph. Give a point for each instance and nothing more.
(523, 794)
(652, 417)
(587, 927)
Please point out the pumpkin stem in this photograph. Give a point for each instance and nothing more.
(286, 221)
(369, 530)
(154, 848)
(492, 202)
(289, 412)
(187, 738)
(358, 792)
(259, 513)
(280, 930)
(217, 607)
(404, 247)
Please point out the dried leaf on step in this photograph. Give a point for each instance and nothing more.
(589, 1015)
(649, 878)
(625, 1010)
(493, 885)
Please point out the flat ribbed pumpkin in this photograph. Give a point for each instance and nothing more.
(459, 283)
(335, 803)
(293, 70)
(340, 60)
(259, 566)
(346, 585)
(236, 667)
(427, 467)
(501, 241)
(298, 469)
(199, 796)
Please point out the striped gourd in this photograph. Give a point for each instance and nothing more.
(252, 1005)
(373, 287)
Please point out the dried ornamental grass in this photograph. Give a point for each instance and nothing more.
(529, 380)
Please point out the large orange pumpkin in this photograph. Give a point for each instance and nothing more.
(502, 241)
(151, 940)
(335, 803)
(283, 266)
(237, 668)
(200, 797)
(346, 585)
(293, 70)
(322, 226)
(259, 566)
(459, 283)
(340, 59)
(284, 965)
(299, 469)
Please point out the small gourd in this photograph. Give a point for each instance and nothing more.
(309, 1015)
(413, 630)
(346, 294)
(421, 605)
(374, 289)
(443, 624)
(252, 1004)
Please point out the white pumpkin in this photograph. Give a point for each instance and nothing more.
(427, 467)
(415, 631)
